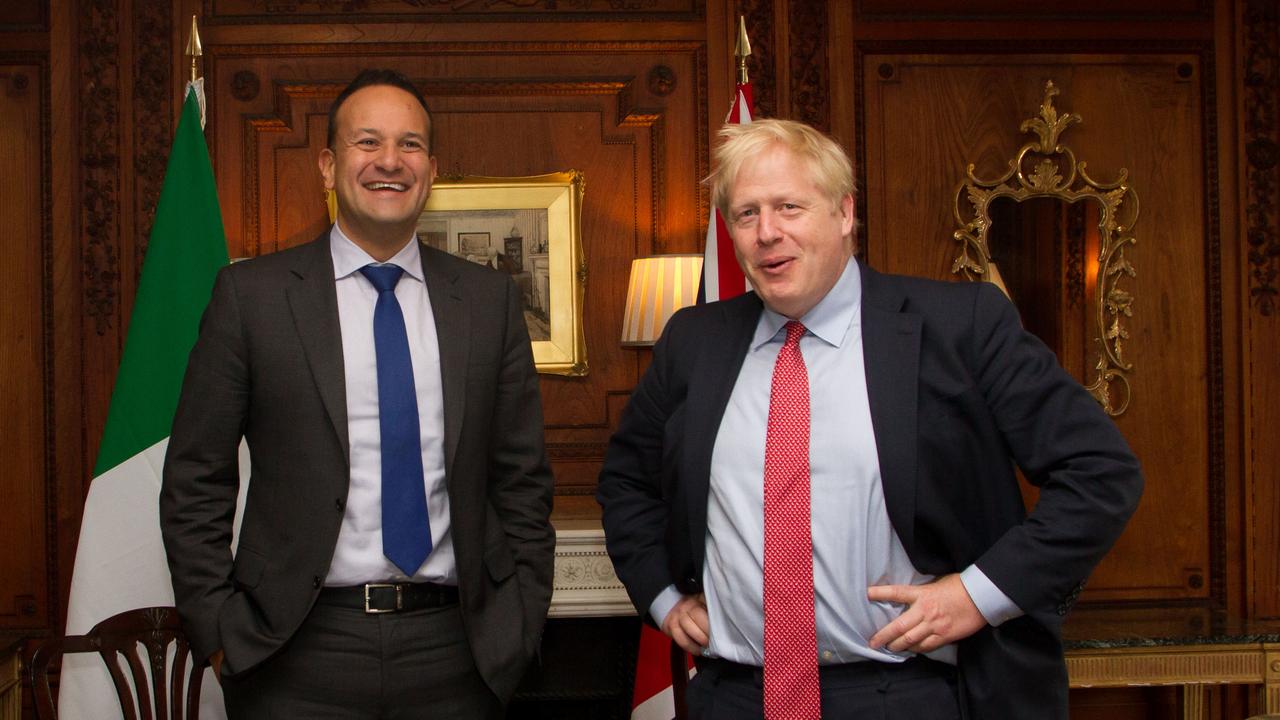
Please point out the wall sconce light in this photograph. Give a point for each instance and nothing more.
(660, 285)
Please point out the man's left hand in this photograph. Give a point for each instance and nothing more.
(938, 613)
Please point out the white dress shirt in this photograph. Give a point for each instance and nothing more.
(358, 557)
(854, 543)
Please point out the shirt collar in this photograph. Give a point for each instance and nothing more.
(348, 257)
(829, 320)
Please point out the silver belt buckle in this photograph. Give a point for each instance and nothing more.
(379, 611)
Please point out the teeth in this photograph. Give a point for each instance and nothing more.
(385, 185)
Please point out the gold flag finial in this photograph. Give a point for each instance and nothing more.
(741, 50)
(194, 49)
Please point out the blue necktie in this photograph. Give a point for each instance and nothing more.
(406, 530)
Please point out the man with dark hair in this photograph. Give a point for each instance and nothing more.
(395, 554)
(812, 488)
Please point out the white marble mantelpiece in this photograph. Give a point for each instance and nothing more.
(585, 584)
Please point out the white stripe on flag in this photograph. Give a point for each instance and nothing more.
(661, 706)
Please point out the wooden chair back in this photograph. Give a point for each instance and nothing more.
(129, 644)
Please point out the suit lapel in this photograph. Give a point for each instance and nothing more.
(313, 301)
(891, 353)
(452, 322)
(710, 385)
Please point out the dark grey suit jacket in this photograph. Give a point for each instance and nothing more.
(958, 393)
(268, 366)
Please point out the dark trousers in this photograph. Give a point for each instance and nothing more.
(343, 663)
(919, 689)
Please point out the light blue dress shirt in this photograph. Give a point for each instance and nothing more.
(854, 543)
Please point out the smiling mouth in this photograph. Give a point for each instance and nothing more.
(397, 187)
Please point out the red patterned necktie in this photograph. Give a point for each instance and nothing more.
(791, 689)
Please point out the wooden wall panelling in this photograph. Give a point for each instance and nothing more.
(1260, 159)
(625, 114)
(1073, 10)
(928, 116)
(64, 278)
(25, 317)
(1224, 204)
(25, 15)
(447, 11)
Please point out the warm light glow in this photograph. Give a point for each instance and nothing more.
(660, 285)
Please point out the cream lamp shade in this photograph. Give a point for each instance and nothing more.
(660, 285)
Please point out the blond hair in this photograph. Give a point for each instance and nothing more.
(828, 164)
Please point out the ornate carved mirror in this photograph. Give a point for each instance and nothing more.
(1053, 239)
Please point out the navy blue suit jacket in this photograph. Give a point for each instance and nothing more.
(959, 394)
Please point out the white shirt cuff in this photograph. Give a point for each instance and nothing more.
(662, 604)
(995, 606)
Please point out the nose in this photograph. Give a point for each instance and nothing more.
(767, 229)
(388, 158)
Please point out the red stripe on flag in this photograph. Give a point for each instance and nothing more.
(653, 669)
(732, 282)
(722, 277)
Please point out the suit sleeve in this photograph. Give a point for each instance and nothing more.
(635, 509)
(201, 471)
(1089, 479)
(522, 484)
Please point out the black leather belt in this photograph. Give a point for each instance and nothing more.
(375, 598)
(915, 667)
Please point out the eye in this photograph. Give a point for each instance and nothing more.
(411, 145)
(367, 143)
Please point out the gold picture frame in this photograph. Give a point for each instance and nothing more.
(530, 228)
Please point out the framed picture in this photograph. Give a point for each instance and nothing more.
(530, 229)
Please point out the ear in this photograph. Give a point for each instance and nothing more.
(433, 168)
(846, 214)
(326, 163)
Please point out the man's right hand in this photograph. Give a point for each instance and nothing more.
(215, 662)
(688, 624)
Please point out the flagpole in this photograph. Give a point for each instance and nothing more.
(194, 49)
(742, 50)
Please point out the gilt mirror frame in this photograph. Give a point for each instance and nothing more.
(1048, 168)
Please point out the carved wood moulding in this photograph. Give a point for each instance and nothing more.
(1262, 151)
(1216, 376)
(275, 11)
(152, 112)
(810, 81)
(99, 78)
(978, 10)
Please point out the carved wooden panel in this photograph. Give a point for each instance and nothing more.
(504, 111)
(929, 116)
(24, 314)
(1260, 145)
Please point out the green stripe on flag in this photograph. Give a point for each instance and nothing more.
(186, 249)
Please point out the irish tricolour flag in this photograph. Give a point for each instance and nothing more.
(120, 562)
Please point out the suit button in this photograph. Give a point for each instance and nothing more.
(339, 504)
(317, 581)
